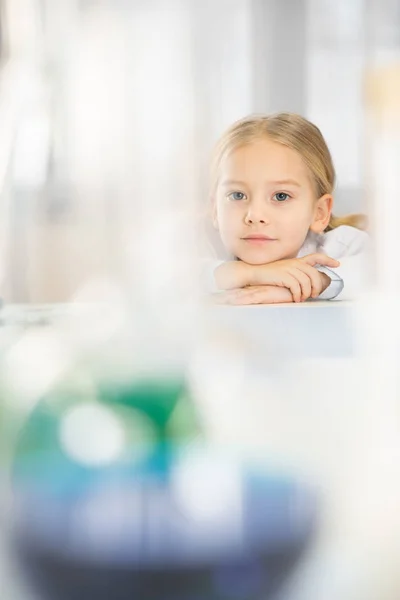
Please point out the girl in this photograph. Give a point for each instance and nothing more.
(272, 185)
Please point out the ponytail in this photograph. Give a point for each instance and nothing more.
(359, 221)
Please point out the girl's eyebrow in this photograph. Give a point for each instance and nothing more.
(286, 182)
(229, 182)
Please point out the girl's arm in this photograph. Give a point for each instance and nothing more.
(261, 294)
(298, 275)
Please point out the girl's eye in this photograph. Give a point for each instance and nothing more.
(281, 196)
(237, 196)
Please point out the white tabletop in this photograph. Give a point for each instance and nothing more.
(309, 329)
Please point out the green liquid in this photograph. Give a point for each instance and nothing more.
(156, 412)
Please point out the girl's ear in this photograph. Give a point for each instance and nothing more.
(322, 213)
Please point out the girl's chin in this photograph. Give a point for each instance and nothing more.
(257, 260)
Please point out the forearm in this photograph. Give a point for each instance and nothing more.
(233, 274)
(286, 274)
(238, 274)
(263, 294)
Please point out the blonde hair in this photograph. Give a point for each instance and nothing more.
(296, 133)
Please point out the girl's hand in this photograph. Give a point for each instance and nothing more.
(298, 275)
(257, 294)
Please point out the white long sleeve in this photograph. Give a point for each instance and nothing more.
(351, 247)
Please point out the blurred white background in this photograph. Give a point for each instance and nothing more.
(108, 112)
(83, 70)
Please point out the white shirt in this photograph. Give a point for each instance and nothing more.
(349, 246)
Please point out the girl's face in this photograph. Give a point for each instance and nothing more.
(265, 203)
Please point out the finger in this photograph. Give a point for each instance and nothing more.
(305, 282)
(320, 259)
(292, 283)
(315, 279)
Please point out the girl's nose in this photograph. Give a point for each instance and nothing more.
(257, 213)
